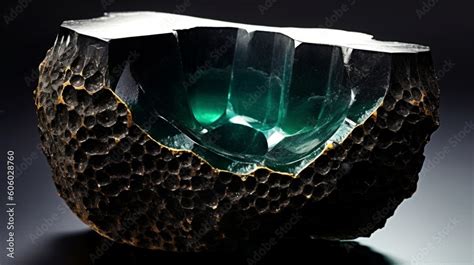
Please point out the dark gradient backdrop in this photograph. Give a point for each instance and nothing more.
(433, 227)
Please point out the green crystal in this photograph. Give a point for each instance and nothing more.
(243, 99)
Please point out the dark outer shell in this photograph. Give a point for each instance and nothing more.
(131, 189)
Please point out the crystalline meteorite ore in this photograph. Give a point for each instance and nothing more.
(187, 134)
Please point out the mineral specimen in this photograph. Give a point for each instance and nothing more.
(187, 134)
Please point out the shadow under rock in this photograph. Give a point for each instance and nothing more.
(87, 247)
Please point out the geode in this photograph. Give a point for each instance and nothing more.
(187, 134)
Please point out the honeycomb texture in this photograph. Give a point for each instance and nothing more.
(131, 189)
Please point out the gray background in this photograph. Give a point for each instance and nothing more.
(435, 226)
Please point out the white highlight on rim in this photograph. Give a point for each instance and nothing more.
(133, 24)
